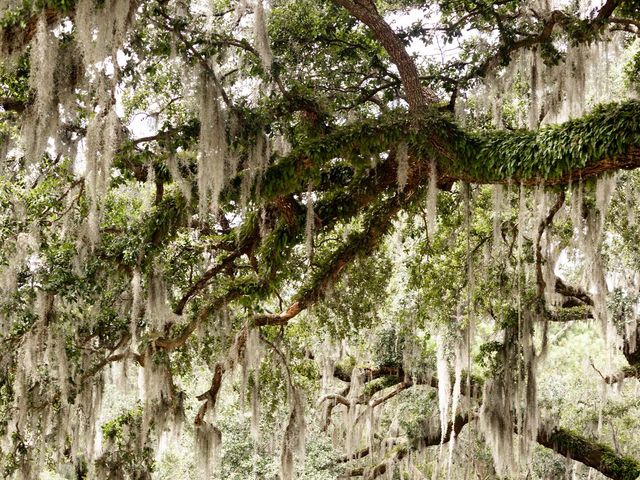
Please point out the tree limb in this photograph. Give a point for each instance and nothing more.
(590, 453)
(367, 13)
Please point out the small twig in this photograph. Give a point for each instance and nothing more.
(595, 368)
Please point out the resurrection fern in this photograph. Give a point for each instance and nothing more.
(551, 152)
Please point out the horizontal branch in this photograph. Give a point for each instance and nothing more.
(12, 105)
(590, 453)
(631, 371)
(432, 438)
(397, 454)
(399, 387)
(603, 141)
(335, 398)
(598, 143)
(389, 375)
(569, 314)
(564, 442)
(277, 318)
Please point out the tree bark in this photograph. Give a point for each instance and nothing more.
(590, 453)
(366, 12)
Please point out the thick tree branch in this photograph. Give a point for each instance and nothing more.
(335, 398)
(380, 218)
(627, 23)
(12, 105)
(581, 297)
(631, 371)
(544, 224)
(606, 11)
(367, 13)
(564, 442)
(431, 438)
(399, 387)
(569, 314)
(631, 349)
(589, 453)
(210, 396)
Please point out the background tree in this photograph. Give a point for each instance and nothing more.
(409, 227)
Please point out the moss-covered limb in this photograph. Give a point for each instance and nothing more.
(363, 452)
(371, 389)
(379, 220)
(179, 338)
(398, 388)
(630, 371)
(605, 140)
(12, 105)
(435, 437)
(377, 385)
(631, 350)
(570, 314)
(206, 277)
(595, 455)
(282, 318)
(397, 453)
(432, 438)
(18, 25)
(210, 396)
(312, 157)
(381, 377)
(329, 210)
(242, 241)
(567, 443)
(608, 139)
(579, 296)
(287, 233)
(376, 223)
(338, 206)
(334, 206)
(335, 398)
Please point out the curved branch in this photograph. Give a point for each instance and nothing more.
(398, 388)
(336, 398)
(206, 277)
(366, 12)
(581, 297)
(210, 396)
